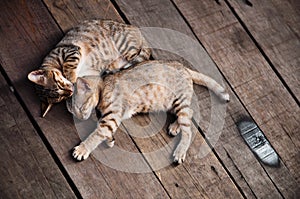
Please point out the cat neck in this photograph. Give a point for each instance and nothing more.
(95, 82)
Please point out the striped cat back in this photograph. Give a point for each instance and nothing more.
(91, 48)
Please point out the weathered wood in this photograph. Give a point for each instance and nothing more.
(162, 13)
(27, 168)
(30, 32)
(275, 26)
(256, 84)
(235, 107)
(27, 25)
(68, 13)
(169, 177)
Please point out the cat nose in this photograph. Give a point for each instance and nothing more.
(71, 90)
(71, 86)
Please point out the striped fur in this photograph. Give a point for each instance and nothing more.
(91, 48)
(150, 86)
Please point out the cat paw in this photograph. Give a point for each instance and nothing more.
(174, 129)
(179, 155)
(81, 152)
(225, 96)
(110, 143)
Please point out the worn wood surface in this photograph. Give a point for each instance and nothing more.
(275, 27)
(249, 55)
(255, 83)
(27, 169)
(135, 10)
(30, 26)
(170, 176)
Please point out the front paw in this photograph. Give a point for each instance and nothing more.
(81, 152)
(179, 154)
(174, 129)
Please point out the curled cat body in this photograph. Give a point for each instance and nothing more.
(147, 87)
(91, 48)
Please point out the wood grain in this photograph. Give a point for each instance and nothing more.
(275, 27)
(27, 168)
(256, 84)
(163, 14)
(68, 13)
(157, 11)
(31, 32)
(169, 177)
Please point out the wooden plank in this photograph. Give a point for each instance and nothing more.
(257, 86)
(27, 168)
(90, 10)
(235, 107)
(275, 26)
(163, 14)
(69, 13)
(30, 32)
(176, 181)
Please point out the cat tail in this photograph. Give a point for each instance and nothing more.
(211, 84)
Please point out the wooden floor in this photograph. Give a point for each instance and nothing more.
(256, 49)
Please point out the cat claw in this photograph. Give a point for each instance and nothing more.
(179, 156)
(80, 152)
(174, 129)
(110, 144)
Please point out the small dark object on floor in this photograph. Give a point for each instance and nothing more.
(248, 3)
(257, 142)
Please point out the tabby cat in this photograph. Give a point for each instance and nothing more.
(148, 87)
(90, 48)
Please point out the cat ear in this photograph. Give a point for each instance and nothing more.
(83, 85)
(37, 76)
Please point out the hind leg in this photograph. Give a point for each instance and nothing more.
(184, 123)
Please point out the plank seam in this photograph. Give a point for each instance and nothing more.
(123, 16)
(42, 136)
(140, 151)
(271, 180)
(219, 159)
(239, 99)
(262, 51)
(121, 13)
(53, 18)
(236, 167)
(195, 123)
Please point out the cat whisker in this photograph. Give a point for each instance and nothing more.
(47, 110)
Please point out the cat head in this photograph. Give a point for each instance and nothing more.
(85, 98)
(52, 87)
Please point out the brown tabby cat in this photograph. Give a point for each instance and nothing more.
(90, 48)
(149, 86)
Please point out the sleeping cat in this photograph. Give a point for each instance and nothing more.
(90, 48)
(149, 86)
